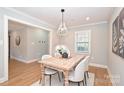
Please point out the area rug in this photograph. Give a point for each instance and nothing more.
(55, 81)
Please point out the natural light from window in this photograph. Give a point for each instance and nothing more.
(82, 41)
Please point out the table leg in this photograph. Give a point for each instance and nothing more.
(66, 74)
(42, 74)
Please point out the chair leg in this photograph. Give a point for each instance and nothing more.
(63, 84)
(50, 79)
(78, 83)
(40, 81)
(59, 77)
(83, 82)
(85, 78)
(62, 75)
(87, 74)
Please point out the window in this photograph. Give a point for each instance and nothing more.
(82, 41)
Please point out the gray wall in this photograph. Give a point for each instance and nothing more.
(32, 44)
(99, 41)
(20, 16)
(116, 63)
(18, 52)
(37, 43)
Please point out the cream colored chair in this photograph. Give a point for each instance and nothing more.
(49, 71)
(86, 74)
(77, 75)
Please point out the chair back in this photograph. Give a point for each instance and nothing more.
(80, 69)
(46, 57)
(87, 63)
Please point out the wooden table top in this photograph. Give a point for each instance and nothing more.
(62, 63)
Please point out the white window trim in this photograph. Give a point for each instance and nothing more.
(89, 52)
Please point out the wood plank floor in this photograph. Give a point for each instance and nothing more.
(22, 74)
(101, 76)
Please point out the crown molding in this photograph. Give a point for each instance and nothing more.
(33, 18)
(91, 24)
(53, 27)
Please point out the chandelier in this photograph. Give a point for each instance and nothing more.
(62, 30)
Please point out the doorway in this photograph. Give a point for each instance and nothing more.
(7, 40)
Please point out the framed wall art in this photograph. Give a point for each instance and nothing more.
(118, 35)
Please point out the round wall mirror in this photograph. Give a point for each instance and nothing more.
(17, 40)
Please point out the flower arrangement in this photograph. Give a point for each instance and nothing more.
(60, 50)
(63, 52)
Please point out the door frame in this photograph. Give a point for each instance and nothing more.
(6, 19)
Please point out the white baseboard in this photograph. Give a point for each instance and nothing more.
(21, 60)
(34, 60)
(111, 77)
(25, 61)
(98, 65)
(3, 79)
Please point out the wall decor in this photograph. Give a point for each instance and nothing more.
(118, 35)
(121, 34)
(115, 36)
(17, 40)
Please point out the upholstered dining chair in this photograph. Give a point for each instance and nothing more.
(77, 75)
(86, 74)
(49, 71)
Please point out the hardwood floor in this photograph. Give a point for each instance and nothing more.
(101, 76)
(22, 74)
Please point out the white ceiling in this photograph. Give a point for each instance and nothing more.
(73, 16)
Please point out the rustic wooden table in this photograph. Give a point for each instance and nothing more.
(60, 64)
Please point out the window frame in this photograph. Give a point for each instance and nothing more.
(89, 40)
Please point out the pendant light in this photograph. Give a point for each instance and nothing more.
(62, 30)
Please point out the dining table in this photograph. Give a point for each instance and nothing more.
(64, 65)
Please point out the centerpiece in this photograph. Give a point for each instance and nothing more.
(62, 52)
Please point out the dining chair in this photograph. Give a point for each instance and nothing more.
(49, 71)
(77, 75)
(86, 73)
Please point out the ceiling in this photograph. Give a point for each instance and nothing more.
(73, 16)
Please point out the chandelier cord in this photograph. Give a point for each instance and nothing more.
(62, 19)
(62, 10)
